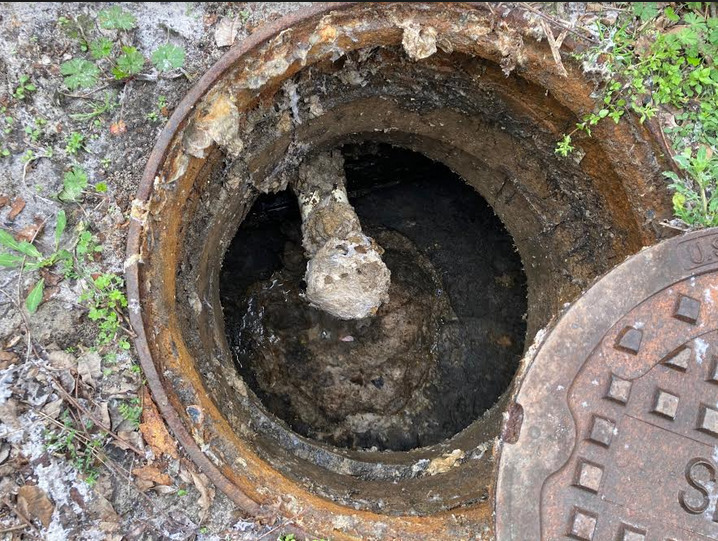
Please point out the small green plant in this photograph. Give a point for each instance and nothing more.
(105, 299)
(131, 411)
(24, 87)
(116, 18)
(86, 246)
(168, 57)
(77, 27)
(564, 147)
(129, 63)
(75, 143)
(26, 255)
(697, 202)
(73, 184)
(78, 445)
(182, 492)
(79, 73)
(34, 131)
(101, 48)
(98, 108)
(159, 110)
(9, 122)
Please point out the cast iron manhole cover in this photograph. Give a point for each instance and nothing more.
(614, 430)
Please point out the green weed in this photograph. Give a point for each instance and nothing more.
(24, 87)
(131, 411)
(75, 143)
(672, 70)
(104, 296)
(81, 448)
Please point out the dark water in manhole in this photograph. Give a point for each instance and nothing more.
(432, 361)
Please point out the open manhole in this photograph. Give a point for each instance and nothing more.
(435, 357)
(443, 119)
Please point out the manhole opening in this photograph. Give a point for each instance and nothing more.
(341, 74)
(436, 357)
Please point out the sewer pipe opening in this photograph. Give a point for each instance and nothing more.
(464, 85)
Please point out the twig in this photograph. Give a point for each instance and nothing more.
(20, 515)
(283, 525)
(556, 22)
(555, 44)
(85, 96)
(676, 227)
(14, 528)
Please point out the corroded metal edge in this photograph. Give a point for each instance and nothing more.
(155, 163)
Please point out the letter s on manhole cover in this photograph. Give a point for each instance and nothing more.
(619, 436)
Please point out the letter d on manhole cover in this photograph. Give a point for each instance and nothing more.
(615, 435)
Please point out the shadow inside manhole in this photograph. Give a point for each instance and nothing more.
(436, 356)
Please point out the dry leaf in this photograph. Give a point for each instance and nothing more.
(51, 278)
(164, 489)
(5, 449)
(102, 412)
(185, 471)
(153, 429)
(445, 463)
(109, 519)
(8, 414)
(32, 501)
(49, 292)
(209, 19)
(62, 360)
(118, 128)
(7, 358)
(226, 31)
(89, 367)
(125, 437)
(206, 491)
(29, 232)
(4, 200)
(143, 485)
(53, 409)
(16, 208)
(151, 473)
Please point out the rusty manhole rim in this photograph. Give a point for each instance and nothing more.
(144, 192)
(155, 164)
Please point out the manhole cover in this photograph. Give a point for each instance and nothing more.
(614, 431)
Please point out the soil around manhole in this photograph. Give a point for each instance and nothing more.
(435, 357)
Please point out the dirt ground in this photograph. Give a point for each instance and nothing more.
(83, 454)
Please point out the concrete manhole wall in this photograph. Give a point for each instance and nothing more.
(467, 85)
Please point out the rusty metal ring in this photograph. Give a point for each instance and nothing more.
(629, 184)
